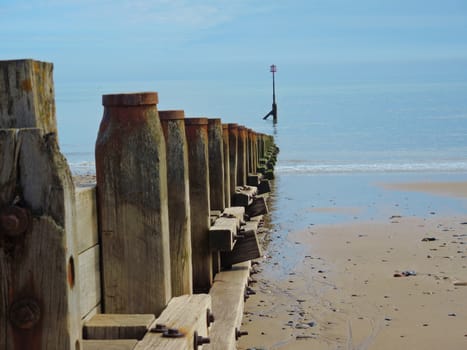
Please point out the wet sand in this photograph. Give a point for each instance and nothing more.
(389, 281)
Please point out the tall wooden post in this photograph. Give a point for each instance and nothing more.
(173, 125)
(27, 95)
(242, 158)
(198, 163)
(216, 164)
(226, 149)
(253, 151)
(233, 145)
(39, 289)
(132, 200)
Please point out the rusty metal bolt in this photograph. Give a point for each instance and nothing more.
(209, 317)
(14, 221)
(173, 333)
(25, 313)
(239, 333)
(159, 328)
(199, 340)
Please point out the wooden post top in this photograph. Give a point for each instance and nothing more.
(172, 115)
(214, 121)
(233, 126)
(130, 99)
(196, 121)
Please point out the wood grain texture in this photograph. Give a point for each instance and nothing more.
(216, 165)
(198, 159)
(188, 314)
(226, 150)
(246, 248)
(89, 280)
(132, 197)
(179, 205)
(86, 214)
(27, 95)
(222, 234)
(233, 156)
(39, 270)
(117, 326)
(227, 295)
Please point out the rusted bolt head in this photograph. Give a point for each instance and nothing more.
(209, 317)
(239, 333)
(159, 328)
(172, 333)
(14, 221)
(25, 313)
(199, 340)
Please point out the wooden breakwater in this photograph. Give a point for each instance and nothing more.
(155, 255)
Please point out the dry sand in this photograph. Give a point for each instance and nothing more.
(344, 294)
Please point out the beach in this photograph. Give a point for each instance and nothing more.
(362, 262)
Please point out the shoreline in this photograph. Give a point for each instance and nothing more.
(333, 285)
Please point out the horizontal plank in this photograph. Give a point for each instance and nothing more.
(187, 314)
(257, 207)
(117, 326)
(89, 280)
(246, 248)
(227, 294)
(223, 233)
(238, 212)
(118, 344)
(86, 214)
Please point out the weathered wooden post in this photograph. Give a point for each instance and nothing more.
(226, 148)
(132, 200)
(198, 163)
(39, 291)
(27, 97)
(233, 145)
(216, 164)
(241, 154)
(251, 151)
(173, 126)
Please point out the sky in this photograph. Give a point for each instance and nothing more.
(200, 48)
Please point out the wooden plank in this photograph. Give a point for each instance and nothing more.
(246, 248)
(253, 179)
(198, 162)
(27, 95)
(238, 212)
(227, 295)
(264, 186)
(39, 268)
(181, 269)
(223, 234)
(117, 326)
(188, 314)
(119, 344)
(257, 207)
(226, 146)
(90, 282)
(86, 213)
(131, 176)
(216, 164)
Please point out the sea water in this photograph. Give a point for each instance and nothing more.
(341, 130)
(328, 122)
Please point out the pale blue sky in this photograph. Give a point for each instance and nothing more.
(212, 56)
(100, 37)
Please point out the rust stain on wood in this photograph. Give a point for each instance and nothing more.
(26, 85)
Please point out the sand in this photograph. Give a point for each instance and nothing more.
(337, 286)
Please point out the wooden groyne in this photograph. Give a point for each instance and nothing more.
(155, 255)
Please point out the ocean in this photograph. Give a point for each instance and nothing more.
(324, 127)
